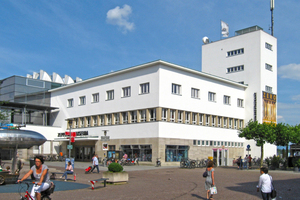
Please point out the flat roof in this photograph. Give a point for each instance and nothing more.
(158, 62)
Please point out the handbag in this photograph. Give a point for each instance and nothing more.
(213, 190)
(273, 192)
(205, 174)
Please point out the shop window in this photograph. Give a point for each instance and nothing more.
(175, 153)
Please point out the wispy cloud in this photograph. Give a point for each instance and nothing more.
(120, 16)
(290, 71)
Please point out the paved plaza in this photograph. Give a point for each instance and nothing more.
(149, 182)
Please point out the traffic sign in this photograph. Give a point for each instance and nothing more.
(70, 147)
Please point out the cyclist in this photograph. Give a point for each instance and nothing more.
(40, 173)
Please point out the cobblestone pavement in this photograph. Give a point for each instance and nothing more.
(175, 183)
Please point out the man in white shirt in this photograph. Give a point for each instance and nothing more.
(264, 183)
(95, 163)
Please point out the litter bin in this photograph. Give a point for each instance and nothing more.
(31, 163)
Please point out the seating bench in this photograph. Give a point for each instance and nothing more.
(98, 180)
(53, 175)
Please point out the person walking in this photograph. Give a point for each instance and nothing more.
(95, 163)
(264, 183)
(210, 179)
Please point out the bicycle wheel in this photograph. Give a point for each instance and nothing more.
(182, 164)
(193, 164)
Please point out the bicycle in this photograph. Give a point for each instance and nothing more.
(158, 163)
(45, 195)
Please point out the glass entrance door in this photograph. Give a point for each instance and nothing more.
(84, 154)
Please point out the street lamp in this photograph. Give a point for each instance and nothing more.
(70, 121)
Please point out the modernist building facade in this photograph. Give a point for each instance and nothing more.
(163, 110)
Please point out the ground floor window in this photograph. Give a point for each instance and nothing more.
(174, 153)
(142, 152)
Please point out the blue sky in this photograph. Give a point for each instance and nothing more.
(93, 37)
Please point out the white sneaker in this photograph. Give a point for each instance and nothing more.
(61, 177)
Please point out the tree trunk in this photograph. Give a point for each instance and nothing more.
(262, 155)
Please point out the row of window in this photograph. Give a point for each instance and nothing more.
(168, 115)
(126, 92)
(269, 67)
(268, 46)
(144, 88)
(235, 52)
(195, 93)
(235, 69)
(217, 143)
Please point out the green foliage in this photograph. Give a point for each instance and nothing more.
(115, 167)
(297, 163)
(4, 114)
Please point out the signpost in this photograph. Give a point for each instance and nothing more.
(248, 149)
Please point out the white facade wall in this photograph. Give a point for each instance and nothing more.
(255, 75)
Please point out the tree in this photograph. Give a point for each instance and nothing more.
(261, 133)
(284, 135)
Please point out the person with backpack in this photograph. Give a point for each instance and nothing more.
(265, 184)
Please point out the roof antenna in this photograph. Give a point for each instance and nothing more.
(272, 19)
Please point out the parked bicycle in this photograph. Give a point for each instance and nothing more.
(188, 163)
(201, 163)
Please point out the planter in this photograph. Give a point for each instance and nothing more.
(296, 169)
(116, 177)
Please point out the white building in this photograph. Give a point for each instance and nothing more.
(162, 110)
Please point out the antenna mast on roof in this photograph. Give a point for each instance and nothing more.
(272, 19)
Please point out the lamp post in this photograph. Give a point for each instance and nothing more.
(70, 121)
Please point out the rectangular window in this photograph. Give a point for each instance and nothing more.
(101, 120)
(268, 89)
(200, 119)
(172, 115)
(152, 114)
(235, 69)
(235, 52)
(125, 117)
(213, 121)
(203, 142)
(215, 143)
(194, 142)
(164, 112)
(240, 103)
(95, 97)
(143, 115)
(225, 122)
(226, 100)
(230, 123)
(176, 89)
(117, 118)
(180, 116)
(269, 67)
(235, 123)
(126, 92)
(110, 95)
(199, 142)
(225, 144)
(95, 120)
(207, 143)
(108, 116)
(229, 144)
(145, 88)
(207, 117)
(82, 100)
(268, 46)
(187, 117)
(70, 103)
(218, 143)
(219, 121)
(88, 121)
(76, 123)
(211, 96)
(195, 93)
(133, 116)
(241, 124)
(81, 122)
(194, 118)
